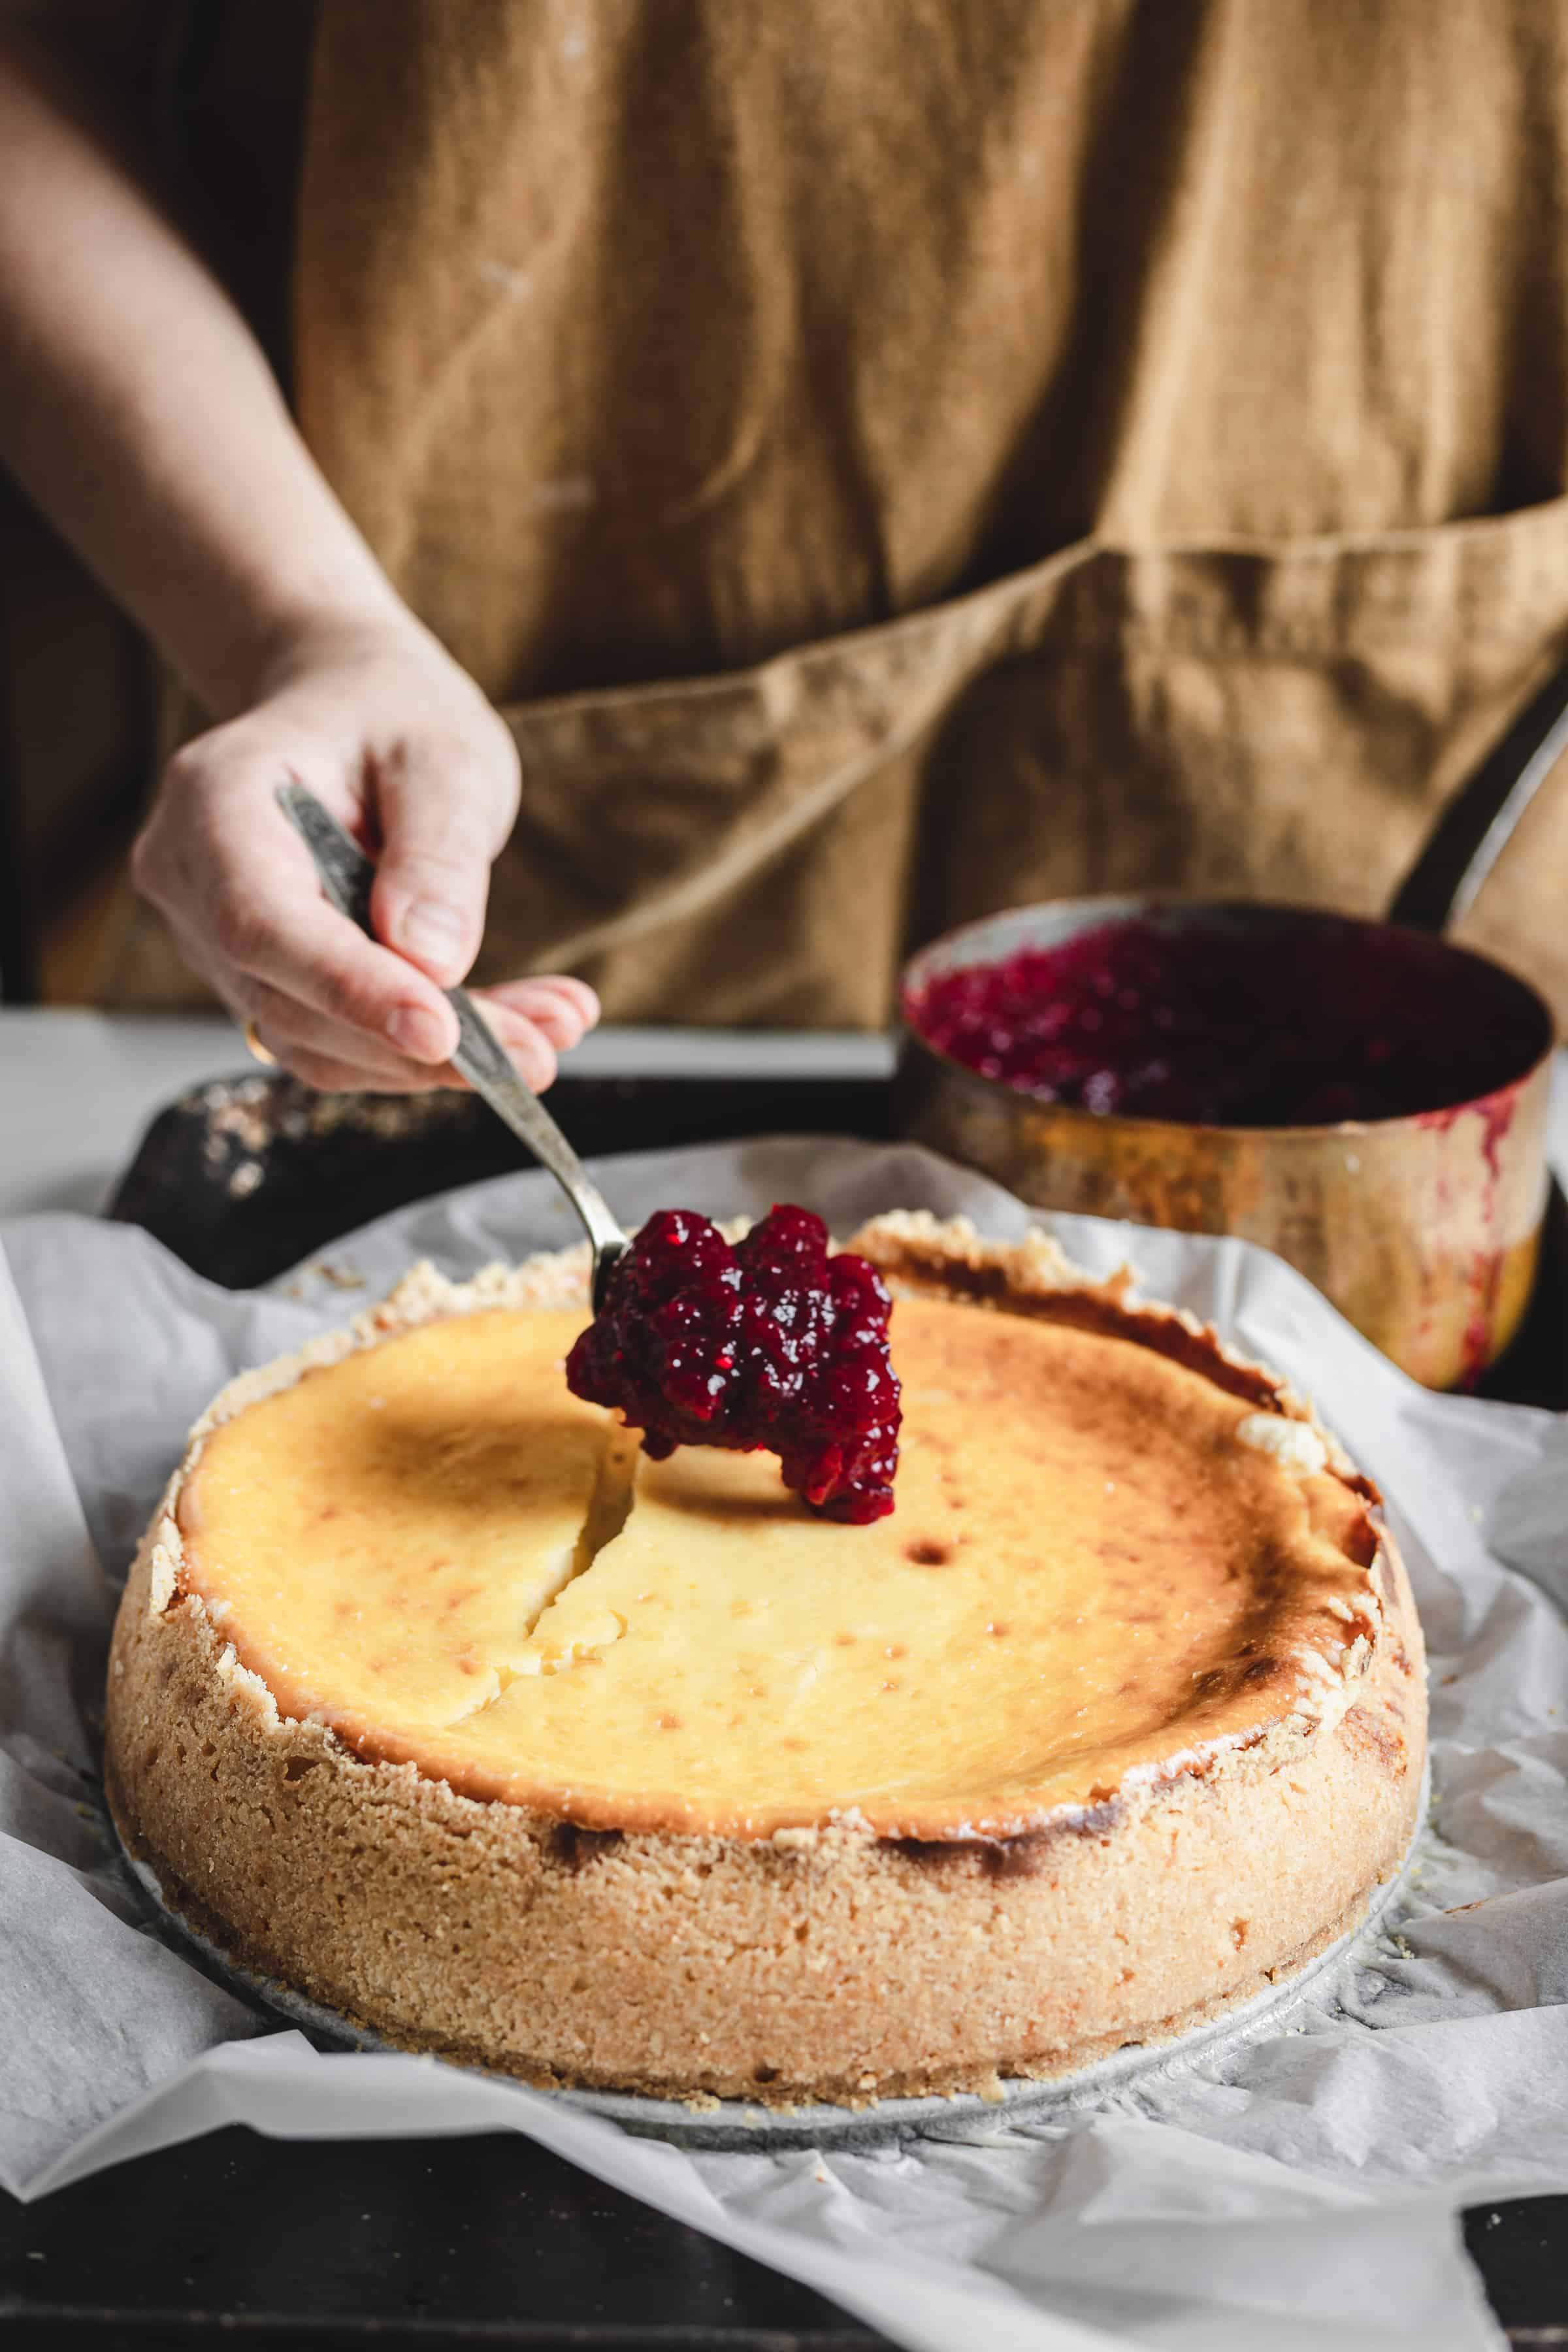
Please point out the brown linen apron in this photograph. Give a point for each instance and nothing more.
(895, 458)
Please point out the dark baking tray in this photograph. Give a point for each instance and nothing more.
(276, 2245)
(244, 1176)
(488, 2241)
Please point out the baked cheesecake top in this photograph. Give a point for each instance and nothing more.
(1105, 1560)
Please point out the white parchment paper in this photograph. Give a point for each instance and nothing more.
(1298, 2189)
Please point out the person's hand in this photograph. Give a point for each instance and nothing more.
(403, 748)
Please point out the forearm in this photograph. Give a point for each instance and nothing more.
(138, 411)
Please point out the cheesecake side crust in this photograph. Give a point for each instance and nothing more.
(841, 1966)
(821, 1963)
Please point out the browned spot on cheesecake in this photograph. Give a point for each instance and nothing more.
(1372, 1736)
(1009, 1857)
(1360, 1538)
(577, 1847)
(1100, 1312)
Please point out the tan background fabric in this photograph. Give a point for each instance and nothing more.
(897, 458)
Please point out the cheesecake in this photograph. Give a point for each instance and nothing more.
(433, 1696)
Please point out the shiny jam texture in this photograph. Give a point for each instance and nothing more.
(1216, 1029)
(773, 1343)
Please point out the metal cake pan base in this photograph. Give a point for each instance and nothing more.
(734, 2124)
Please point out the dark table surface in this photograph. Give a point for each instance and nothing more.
(235, 2240)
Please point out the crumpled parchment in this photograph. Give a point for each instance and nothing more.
(1294, 2186)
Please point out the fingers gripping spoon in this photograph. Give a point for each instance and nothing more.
(346, 877)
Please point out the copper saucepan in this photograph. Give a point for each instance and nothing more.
(1425, 1227)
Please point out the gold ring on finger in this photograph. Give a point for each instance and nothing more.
(258, 1052)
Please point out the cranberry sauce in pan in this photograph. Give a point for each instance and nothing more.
(1302, 1025)
(773, 1343)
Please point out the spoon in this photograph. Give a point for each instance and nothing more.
(346, 876)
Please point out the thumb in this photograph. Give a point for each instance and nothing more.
(438, 835)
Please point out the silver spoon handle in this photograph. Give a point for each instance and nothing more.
(346, 876)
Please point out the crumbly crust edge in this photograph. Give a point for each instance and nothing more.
(691, 1965)
(246, 1822)
(918, 1255)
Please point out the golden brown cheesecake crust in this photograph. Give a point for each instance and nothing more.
(837, 1956)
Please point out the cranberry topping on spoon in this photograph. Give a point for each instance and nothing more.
(770, 1343)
